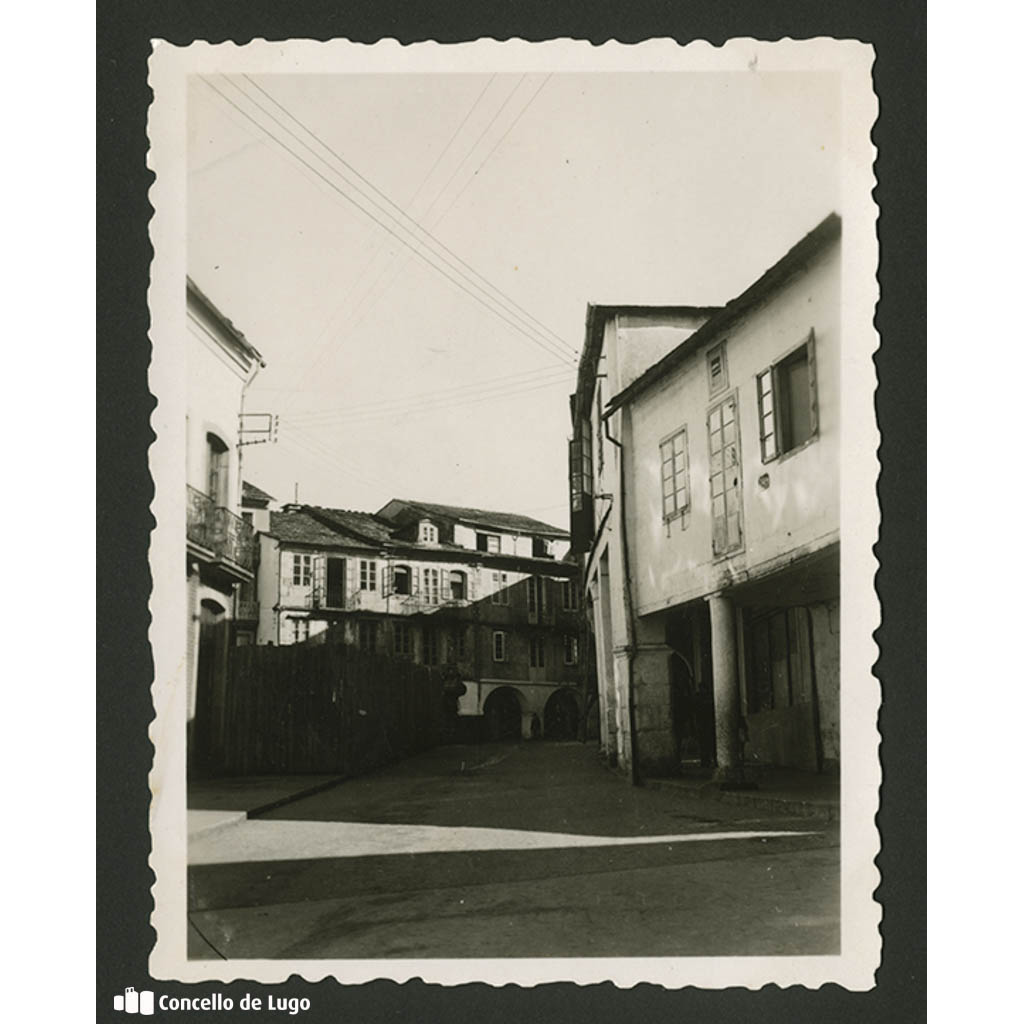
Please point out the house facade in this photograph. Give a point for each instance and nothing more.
(705, 492)
(487, 597)
(220, 544)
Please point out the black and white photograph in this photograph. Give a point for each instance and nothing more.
(514, 472)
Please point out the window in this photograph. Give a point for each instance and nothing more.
(499, 581)
(247, 516)
(430, 647)
(217, 458)
(498, 645)
(542, 547)
(401, 580)
(367, 574)
(600, 433)
(302, 570)
(675, 476)
(458, 585)
(428, 533)
(571, 649)
(432, 586)
(535, 601)
(581, 466)
(458, 645)
(403, 640)
(570, 596)
(488, 542)
(368, 636)
(726, 489)
(300, 630)
(787, 403)
(536, 652)
(718, 370)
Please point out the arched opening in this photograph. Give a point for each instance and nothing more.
(503, 715)
(217, 463)
(561, 716)
(401, 579)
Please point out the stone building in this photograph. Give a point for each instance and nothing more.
(487, 597)
(704, 479)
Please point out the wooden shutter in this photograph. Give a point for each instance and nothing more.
(812, 381)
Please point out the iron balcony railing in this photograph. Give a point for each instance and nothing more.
(218, 530)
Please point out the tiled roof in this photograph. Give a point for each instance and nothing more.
(251, 493)
(363, 524)
(507, 522)
(298, 527)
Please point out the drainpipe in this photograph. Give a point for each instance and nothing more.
(634, 759)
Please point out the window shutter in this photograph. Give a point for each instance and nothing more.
(471, 584)
(319, 568)
(446, 586)
(812, 380)
(415, 579)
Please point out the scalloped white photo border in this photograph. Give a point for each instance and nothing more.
(860, 695)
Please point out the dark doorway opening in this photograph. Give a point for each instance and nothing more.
(561, 716)
(502, 715)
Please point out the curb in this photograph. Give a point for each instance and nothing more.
(228, 820)
(273, 805)
(824, 810)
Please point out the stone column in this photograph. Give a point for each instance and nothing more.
(726, 687)
(652, 694)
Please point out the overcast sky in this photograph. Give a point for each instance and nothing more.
(439, 366)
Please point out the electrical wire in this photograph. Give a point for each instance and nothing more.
(482, 298)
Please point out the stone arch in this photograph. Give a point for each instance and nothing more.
(562, 715)
(503, 713)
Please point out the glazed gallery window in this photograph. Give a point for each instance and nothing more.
(432, 586)
(726, 487)
(367, 574)
(581, 466)
(302, 570)
(536, 652)
(498, 645)
(403, 640)
(787, 402)
(367, 636)
(430, 647)
(675, 476)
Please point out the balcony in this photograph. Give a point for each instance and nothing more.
(220, 536)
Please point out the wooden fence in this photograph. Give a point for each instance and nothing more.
(323, 708)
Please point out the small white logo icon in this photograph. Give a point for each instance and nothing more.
(134, 1002)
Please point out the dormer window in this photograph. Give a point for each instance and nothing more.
(541, 547)
(428, 532)
(488, 542)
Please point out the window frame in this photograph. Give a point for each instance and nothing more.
(499, 638)
(717, 351)
(368, 574)
(499, 595)
(726, 551)
(777, 435)
(401, 640)
(670, 440)
(570, 595)
(537, 652)
(302, 569)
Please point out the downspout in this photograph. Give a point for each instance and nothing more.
(634, 760)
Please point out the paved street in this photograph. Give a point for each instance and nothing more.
(512, 850)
